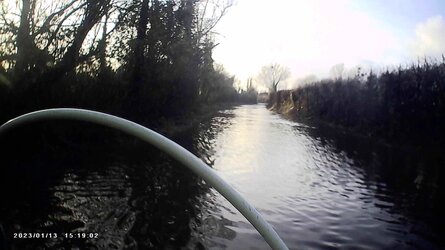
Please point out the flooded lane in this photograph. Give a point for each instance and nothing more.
(320, 189)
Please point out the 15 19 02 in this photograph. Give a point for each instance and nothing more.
(80, 235)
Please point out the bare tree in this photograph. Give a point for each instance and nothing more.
(271, 75)
(210, 13)
(48, 37)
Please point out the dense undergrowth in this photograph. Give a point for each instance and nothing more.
(405, 105)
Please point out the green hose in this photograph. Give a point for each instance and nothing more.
(166, 145)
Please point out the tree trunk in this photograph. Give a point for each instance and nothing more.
(24, 41)
(94, 12)
(139, 44)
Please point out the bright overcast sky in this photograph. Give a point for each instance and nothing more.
(310, 36)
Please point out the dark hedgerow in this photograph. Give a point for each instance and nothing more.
(404, 104)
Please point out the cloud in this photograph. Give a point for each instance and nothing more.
(430, 37)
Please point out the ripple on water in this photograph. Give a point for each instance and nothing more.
(317, 191)
(316, 194)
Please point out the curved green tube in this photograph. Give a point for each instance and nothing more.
(166, 145)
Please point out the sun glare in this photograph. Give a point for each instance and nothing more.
(309, 37)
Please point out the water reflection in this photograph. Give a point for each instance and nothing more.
(133, 196)
(320, 188)
(325, 189)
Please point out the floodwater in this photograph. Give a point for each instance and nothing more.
(319, 188)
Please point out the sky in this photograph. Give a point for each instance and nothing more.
(311, 36)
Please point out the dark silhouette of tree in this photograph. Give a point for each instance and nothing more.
(142, 58)
(47, 42)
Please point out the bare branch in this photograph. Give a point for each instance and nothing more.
(59, 26)
(10, 24)
(45, 26)
(218, 9)
(271, 75)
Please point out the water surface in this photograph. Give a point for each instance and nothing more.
(319, 188)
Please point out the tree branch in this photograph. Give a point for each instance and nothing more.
(59, 26)
(46, 25)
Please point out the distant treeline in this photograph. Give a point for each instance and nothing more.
(143, 59)
(402, 105)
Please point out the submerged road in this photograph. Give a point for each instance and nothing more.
(319, 188)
